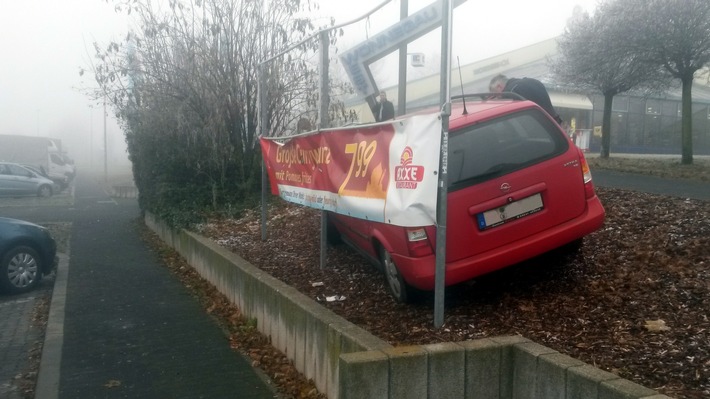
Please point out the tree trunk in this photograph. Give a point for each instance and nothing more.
(606, 126)
(687, 121)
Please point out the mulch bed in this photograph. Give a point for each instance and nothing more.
(633, 301)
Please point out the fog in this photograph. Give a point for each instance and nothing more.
(45, 43)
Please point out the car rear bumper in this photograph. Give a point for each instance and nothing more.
(420, 272)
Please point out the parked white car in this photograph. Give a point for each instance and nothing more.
(18, 181)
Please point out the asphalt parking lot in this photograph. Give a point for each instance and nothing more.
(21, 334)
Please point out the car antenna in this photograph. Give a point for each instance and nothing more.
(463, 97)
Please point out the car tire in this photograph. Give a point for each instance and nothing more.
(44, 191)
(20, 270)
(398, 288)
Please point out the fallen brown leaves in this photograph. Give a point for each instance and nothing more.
(27, 378)
(650, 262)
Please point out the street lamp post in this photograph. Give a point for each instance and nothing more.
(105, 146)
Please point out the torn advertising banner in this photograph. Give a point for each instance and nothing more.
(386, 172)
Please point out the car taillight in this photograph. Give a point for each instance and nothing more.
(586, 175)
(418, 242)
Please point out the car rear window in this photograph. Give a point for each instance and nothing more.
(484, 151)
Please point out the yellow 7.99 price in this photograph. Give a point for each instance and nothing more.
(362, 154)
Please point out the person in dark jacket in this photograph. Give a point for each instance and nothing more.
(384, 109)
(528, 88)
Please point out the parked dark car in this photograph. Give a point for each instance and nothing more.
(517, 188)
(27, 253)
(17, 180)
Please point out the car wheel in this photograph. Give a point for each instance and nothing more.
(44, 191)
(20, 270)
(398, 288)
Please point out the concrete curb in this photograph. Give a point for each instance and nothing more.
(47, 386)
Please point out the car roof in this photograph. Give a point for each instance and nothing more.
(14, 163)
(481, 111)
(480, 108)
(5, 220)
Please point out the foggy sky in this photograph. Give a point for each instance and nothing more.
(44, 44)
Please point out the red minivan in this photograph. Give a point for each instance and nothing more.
(518, 187)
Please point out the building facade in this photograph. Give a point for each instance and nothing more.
(638, 124)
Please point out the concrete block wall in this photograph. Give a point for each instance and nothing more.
(310, 335)
(491, 368)
(347, 362)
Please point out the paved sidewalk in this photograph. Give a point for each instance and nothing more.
(651, 184)
(122, 326)
(690, 189)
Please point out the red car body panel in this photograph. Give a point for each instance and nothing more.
(570, 210)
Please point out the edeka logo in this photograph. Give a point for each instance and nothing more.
(407, 175)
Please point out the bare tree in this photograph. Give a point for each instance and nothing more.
(184, 85)
(593, 58)
(674, 34)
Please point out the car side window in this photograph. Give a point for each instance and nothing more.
(3, 170)
(56, 159)
(18, 171)
(506, 144)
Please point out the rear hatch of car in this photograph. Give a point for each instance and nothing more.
(510, 177)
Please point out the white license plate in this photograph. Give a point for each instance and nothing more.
(509, 212)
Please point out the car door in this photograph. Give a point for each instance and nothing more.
(7, 183)
(23, 181)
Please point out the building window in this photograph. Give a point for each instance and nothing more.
(670, 108)
(620, 104)
(636, 105)
(636, 130)
(653, 107)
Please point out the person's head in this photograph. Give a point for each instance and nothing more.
(498, 83)
(383, 96)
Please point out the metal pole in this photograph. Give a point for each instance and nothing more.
(324, 100)
(263, 119)
(105, 146)
(262, 101)
(442, 191)
(402, 86)
(91, 136)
